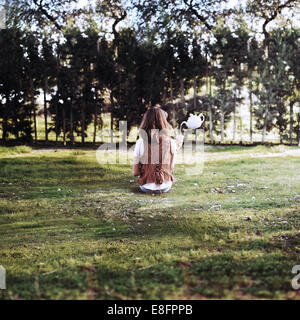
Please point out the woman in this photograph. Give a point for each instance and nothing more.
(155, 152)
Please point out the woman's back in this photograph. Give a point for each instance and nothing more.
(157, 160)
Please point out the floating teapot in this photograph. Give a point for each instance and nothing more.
(194, 121)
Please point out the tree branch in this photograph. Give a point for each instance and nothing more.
(118, 20)
(46, 14)
(195, 12)
(273, 16)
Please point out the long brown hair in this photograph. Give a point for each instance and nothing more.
(154, 118)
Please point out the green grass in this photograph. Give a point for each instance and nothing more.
(72, 229)
(251, 149)
(6, 151)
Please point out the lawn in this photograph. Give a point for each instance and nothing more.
(73, 229)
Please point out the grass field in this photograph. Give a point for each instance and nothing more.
(72, 229)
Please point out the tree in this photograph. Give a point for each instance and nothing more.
(238, 43)
(13, 86)
(48, 64)
(291, 37)
(276, 84)
(222, 71)
(254, 56)
(33, 71)
(73, 104)
(266, 93)
(169, 63)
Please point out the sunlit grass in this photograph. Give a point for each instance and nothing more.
(71, 228)
(5, 151)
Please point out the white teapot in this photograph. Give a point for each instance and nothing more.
(194, 121)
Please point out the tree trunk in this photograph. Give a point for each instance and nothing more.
(241, 123)
(4, 125)
(207, 75)
(164, 97)
(251, 113)
(33, 109)
(56, 104)
(173, 117)
(5, 117)
(45, 108)
(56, 121)
(71, 123)
(298, 131)
(171, 91)
(64, 124)
(17, 131)
(111, 128)
(263, 135)
(182, 91)
(83, 123)
(291, 121)
(210, 125)
(111, 118)
(280, 134)
(95, 122)
(223, 114)
(265, 127)
(234, 120)
(195, 93)
(210, 115)
(95, 115)
(222, 124)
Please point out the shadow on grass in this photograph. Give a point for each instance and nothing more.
(193, 277)
(167, 270)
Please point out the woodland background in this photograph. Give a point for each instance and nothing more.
(71, 68)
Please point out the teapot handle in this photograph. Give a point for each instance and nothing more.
(184, 122)
(202, 117)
